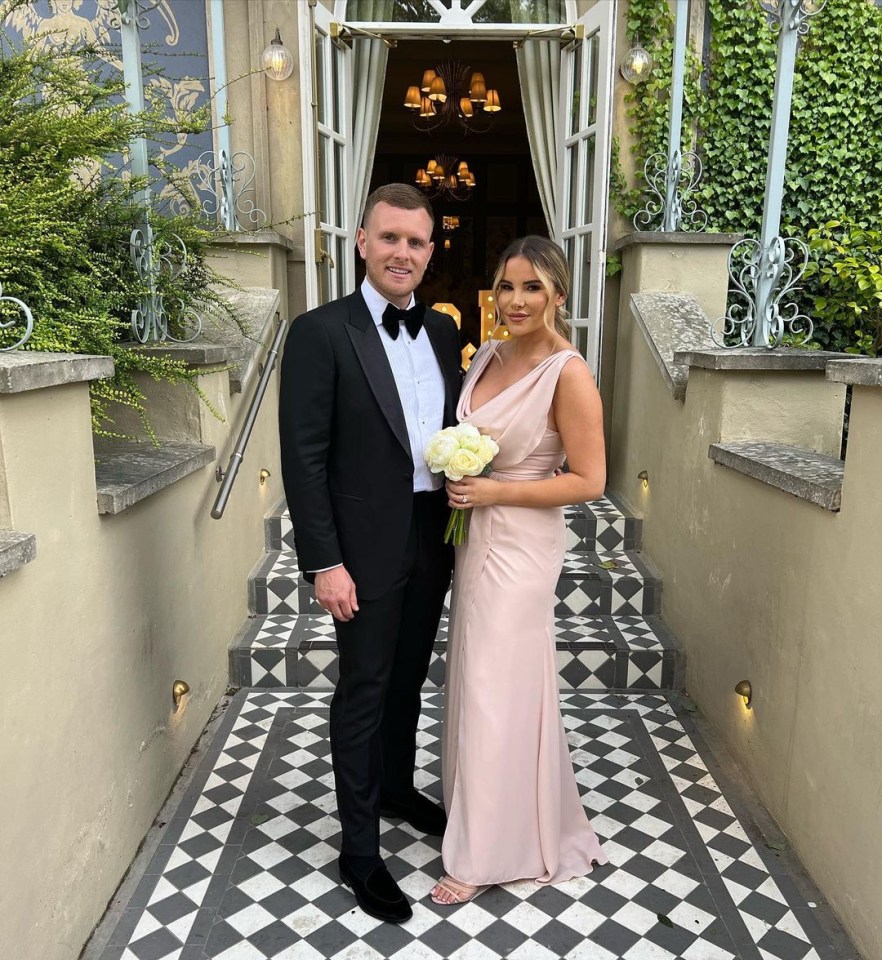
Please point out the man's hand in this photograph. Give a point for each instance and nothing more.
(335, 593)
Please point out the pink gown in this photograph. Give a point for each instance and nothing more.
(513, 807)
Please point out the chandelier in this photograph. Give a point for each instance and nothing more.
(445, 177)
(451, 93)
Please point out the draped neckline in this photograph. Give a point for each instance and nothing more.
(493, 352)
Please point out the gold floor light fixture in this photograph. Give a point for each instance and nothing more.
(744, 689)
(180, 689)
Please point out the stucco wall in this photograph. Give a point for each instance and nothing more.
(760, 585)
(94, 632)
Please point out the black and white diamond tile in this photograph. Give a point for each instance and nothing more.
(593, 653)
(615, 582)
(246, 869)
(600, 525)
(591, 596)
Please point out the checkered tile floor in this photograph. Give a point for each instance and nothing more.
(246, 868)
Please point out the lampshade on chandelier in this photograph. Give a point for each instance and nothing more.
(452, 93)
(446, 178)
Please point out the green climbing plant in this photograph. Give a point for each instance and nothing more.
(66, 214)
(834, 163)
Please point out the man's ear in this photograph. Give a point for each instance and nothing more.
(359, 241)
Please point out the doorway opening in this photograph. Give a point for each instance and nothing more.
(474, 226)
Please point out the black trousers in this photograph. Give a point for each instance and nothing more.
(384, 658)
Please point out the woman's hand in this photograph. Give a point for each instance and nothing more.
(473, 492)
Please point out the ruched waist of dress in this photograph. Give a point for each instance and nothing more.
(540, 473)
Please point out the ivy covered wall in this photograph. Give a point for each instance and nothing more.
(833, 192)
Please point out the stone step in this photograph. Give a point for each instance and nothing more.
(593, 653)
(600, 525)
(591, 584)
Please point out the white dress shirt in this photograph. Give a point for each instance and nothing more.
(420, 386)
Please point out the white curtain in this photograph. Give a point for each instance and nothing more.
(368, 78)
(539, 72)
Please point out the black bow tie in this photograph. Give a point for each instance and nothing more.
(393, 317)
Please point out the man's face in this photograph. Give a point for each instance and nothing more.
(396, 245)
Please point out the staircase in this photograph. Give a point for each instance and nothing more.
(609, 634)
(246, 869)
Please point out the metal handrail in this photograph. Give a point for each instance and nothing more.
(228, 478)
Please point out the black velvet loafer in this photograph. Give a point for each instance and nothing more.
(379, 895)
(419, 811)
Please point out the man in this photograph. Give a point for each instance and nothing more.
(365, 382)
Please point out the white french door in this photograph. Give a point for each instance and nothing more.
(327, 158)
(583, 171)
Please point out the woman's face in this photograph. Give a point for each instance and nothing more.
(523, 299)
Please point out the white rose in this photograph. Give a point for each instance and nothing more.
(469, 437)
(440, 449)
(464, 463)
(487, 449)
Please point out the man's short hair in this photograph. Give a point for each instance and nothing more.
(400, 195)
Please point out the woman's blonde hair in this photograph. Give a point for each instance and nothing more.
(551, 267)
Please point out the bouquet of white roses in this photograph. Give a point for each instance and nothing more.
(457, 452)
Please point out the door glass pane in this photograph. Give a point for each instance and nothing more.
(574, 177)
(594, 57)
(580, 339)
(324, 204)
(586, 178)
(576, 87)
(568, 253)
(339, 174)
(321, 92)
(585, 286)
(422, 11)
(340, 262)
(336, 99)
(520, 11)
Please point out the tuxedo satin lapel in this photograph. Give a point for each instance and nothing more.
(435, 330)
(366, 342)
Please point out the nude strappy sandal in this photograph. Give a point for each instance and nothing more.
(461, 892)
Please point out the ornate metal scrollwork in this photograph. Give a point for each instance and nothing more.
(227, 179)
(6, 324)
(764, 282)
(791, 14)
(128, 10)
(150, 319)
(671, 205)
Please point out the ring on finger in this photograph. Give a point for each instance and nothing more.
(465, 499)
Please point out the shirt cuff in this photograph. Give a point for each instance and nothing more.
(325, 569)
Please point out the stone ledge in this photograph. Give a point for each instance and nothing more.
(25, 370)
(254, 237)
(671, 322)
(860, 371)
(128, 472)
(16, 549)
(196, 354)
(758, 358)
(802, 473)
(678, 237)
(256, 307)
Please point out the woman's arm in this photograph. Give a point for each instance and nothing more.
(578, 415)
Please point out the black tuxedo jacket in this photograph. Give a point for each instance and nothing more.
(346, 461)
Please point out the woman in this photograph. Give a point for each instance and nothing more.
(513, 806)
